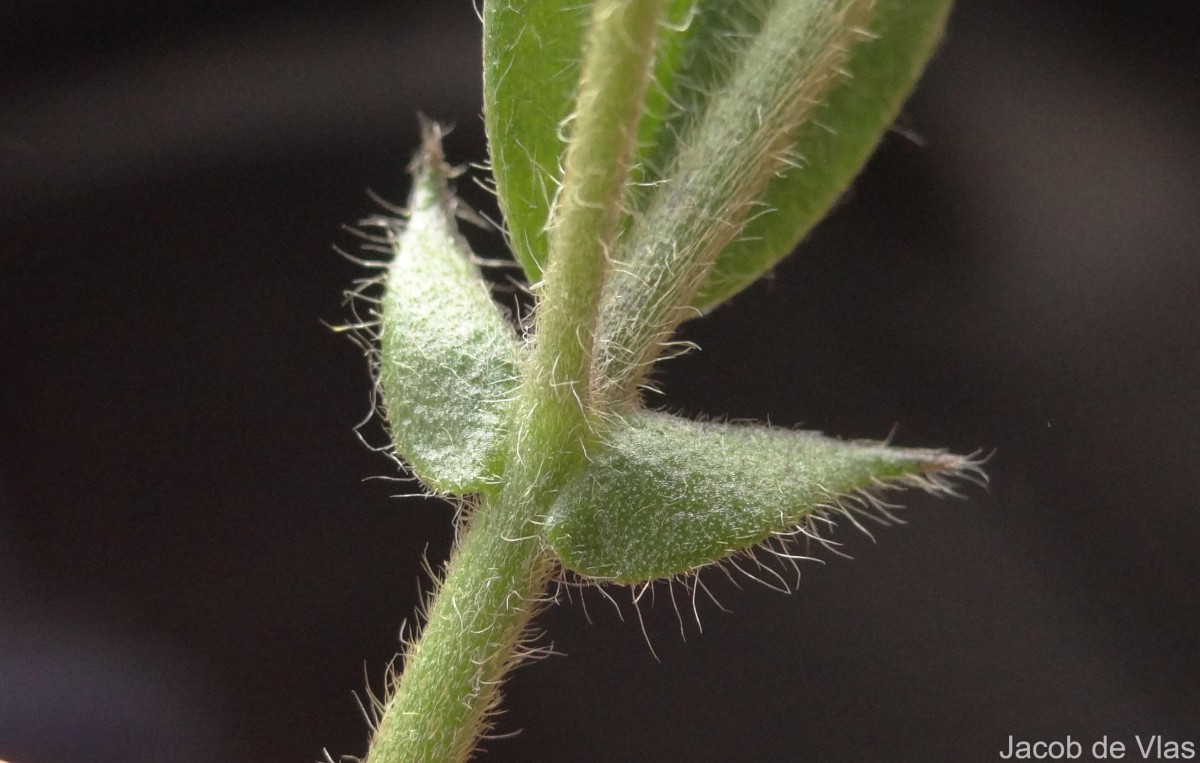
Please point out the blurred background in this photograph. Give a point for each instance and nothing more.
(195, 565)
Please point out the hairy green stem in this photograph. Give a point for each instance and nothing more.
(452, 675)
(587, 214)
(500, 568)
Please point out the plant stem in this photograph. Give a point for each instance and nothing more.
(500, 568)
(452, 675)
(587, 214)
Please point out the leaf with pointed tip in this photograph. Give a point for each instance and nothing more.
(834, 144)
(668, 495)
(448, 357)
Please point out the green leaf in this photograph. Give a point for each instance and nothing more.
(448, 356)
(668, 495)
(835, 143)
(532, 56)
(531, 61)
(697, 51)
(729, 147)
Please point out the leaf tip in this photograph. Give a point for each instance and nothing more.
(430, 154)
(945, 470)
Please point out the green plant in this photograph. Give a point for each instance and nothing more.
(651, 158)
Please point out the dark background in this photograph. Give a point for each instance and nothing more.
(194, 566)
